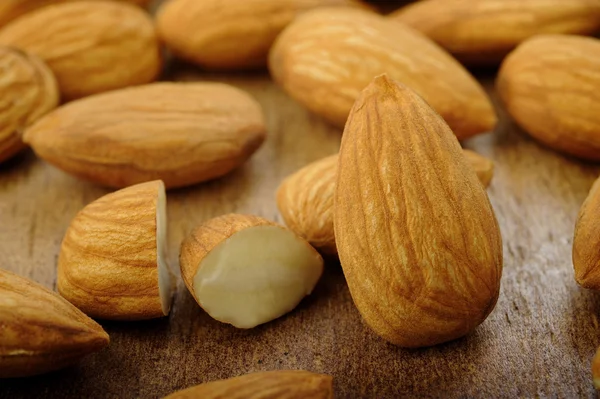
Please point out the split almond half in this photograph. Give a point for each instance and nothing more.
(40, 331)
(112, 263)
(245, 270)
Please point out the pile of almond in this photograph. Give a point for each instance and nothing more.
(401, 205)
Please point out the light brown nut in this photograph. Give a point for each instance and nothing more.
(91, 46)
(586, 241)
(327, 56)
(596, 369)
(416, 234)
(550, 85)
(28, 92)
(281, 384)
(483, 167)
(230, 34)
(40, 331)
(112, 262)
(245, 270)
(484, 31)
(181, 133)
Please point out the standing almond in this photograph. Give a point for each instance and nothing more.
(327, 56)
(416, 234)
(181, 133)
(282, 384)
(463, 26)
(91, 46)
(28, 92)
(40, 331)
(551, 87)
(586, 242)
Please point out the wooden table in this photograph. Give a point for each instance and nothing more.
(539, 340)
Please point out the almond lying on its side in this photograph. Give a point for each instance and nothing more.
(417, 237)
(91, 46)
(181, 133)
(40, 331)
(305, 198)
(328, 75)
(485, 31)
(112, 262)
(282, 384)
(550, 85)
(28, 92)
(245, 270)
(586, 241)
(596, 369)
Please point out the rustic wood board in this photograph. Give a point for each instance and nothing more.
(539, 340)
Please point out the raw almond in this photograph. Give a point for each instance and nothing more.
(245, 270)
(305, 198)
(181, 133)
(283, 384)
(210, 32)
(28, 92)
(586, 241)
(463, 26)
(550, 85)
(112, 262)
(91, 46)
(327, 76)
(417, 237)
(40, 331)
(596, 369)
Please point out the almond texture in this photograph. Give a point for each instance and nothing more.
(91, 46)
(417, 237)
(28, 92)
(328, 75)
(463, 26)
(283, 384)
(586, 241)
(40, 331)
(181, 133)
(112, 262)
(550, 85)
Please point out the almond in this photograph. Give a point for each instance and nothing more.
(112, 262)
(551, 87)
(283, 384)
(417, 237)
(28, 92)
(327, 76)
(40, 331)
(463, 27)
(305, 198)
(182, 133)
(91, 46)
(596, 369)
(586, 241)
(245, 270)
(209, 32)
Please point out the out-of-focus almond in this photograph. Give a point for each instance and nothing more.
(586, 241)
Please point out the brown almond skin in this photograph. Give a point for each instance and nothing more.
(91, 46)
(482, 166)
(463, 27)
(284, 384)
(586, 241)
(551, 87)
(29, 91)
(327, 76)
(596, 370)
(107, 265)
(417, 237)
(40, 331)
(181, 133)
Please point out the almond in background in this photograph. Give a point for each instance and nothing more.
(586, 241)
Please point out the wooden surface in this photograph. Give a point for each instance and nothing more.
(538, 341)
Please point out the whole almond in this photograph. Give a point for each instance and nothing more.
(181, 133)
(586, 241)
(28, 92)
(328, 75)
(417, 237)
(112, 262)
(596, 369)
(209, 32)
(91, 46)
(40, 331)
(482, 166)
(550, 85)
(463, 26)
(282, 384)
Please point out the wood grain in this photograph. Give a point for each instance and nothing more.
(539, 341)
